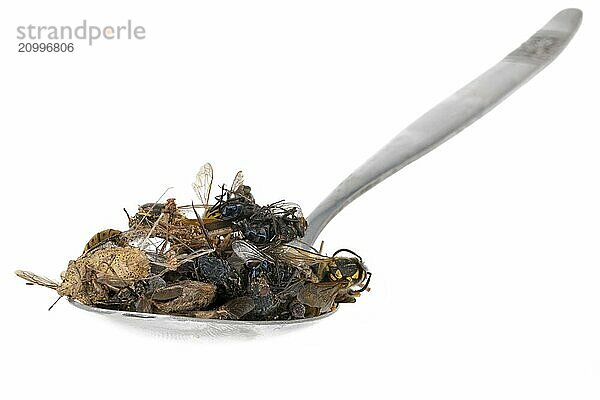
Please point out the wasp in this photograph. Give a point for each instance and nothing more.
(329, 280)
(335, 268)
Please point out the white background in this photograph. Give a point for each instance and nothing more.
(486, 281)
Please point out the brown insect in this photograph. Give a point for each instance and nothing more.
(88, 278)
(184, 296)
(234, 309)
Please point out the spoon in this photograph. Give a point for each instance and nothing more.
(429, 131)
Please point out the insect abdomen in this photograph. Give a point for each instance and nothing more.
(99, 238)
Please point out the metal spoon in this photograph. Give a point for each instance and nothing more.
(429, 131)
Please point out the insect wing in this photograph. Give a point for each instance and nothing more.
(203, 183)
(288, 208)
(248, 252)
(37, 279)
(320, 295)
(298, 257)
(291, 290)
(238, 182)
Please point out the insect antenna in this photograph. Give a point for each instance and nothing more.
(126, 213)
(348, 251)
(53, 304)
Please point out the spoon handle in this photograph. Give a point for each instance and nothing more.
(450, 116)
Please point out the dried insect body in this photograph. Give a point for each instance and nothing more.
(90, 278)
(184, 296)
(227, 260)
(233, 309)
(276, 223)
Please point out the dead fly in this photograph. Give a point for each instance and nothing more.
(257, 267)
(229, 259)
(280, 222)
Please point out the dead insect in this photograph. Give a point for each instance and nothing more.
(320, 295)
(297, 309)
(330, 280)
(227, 260)
(146, 215)
(184, 296)
(89, 278)
(234, 309)
(259, 266)
(279, 222)
(220, 272)
(101, 238)
(135, 297)
(335, 268)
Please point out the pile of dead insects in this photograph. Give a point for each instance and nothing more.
(229, 259)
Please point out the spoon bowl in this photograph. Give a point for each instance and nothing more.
(178, 326)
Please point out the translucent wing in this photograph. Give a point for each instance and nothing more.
(291, 290)
(36, 279)
(203, 183)
(320, 295)
(286, 208)
(238, 182)
(297, 257)
(248, 252)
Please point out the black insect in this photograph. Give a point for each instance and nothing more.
(260, 290)
(237, 209)
(259, 268)
(275, 223)
(212, 269)
(280, 222)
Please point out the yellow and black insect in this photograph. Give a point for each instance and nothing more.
(337, 268)
(100, 238)
(351, 269)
